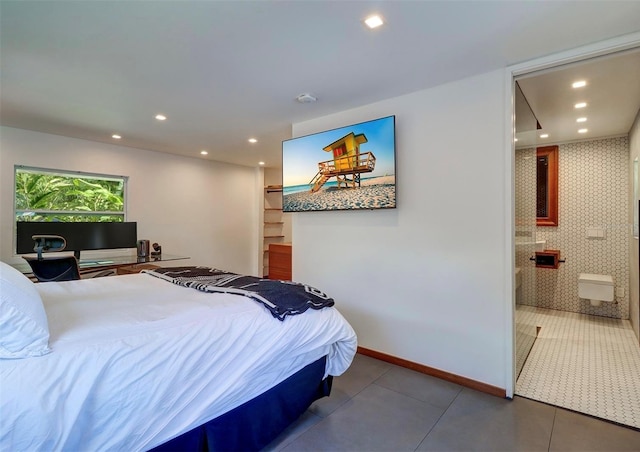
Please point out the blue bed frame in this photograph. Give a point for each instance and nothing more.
(256, 423)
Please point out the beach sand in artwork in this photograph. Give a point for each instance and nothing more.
(373, 193)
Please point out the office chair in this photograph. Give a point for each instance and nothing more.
(63, 268)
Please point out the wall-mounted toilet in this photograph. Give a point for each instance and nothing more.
(596, 288)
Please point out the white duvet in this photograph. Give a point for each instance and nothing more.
(137, 361)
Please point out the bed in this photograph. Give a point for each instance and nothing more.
(135, 362)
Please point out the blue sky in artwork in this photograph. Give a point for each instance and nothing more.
(300, 156)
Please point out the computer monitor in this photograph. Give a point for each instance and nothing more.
(78, 235)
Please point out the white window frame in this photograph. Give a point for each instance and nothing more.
(68, 173)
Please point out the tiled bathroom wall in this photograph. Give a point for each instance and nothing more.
(592, 193)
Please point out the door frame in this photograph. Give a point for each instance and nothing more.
(511, 73)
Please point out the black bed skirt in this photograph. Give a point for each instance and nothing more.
(256, 423)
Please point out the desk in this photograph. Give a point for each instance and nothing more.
(135, 268)
(116, 263)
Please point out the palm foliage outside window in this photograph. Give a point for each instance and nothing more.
(48, 195)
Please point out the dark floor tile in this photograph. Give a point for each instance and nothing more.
(423, 387)
(304, 423)
(327, 405)
(480, 422)
(577, 432)
(362, 372)
(377, 419)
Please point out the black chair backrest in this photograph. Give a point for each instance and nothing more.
(64, 268)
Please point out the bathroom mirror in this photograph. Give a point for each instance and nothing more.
(547, 186)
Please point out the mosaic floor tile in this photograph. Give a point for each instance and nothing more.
(583, 363)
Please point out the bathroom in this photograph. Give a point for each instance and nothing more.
(577, 313)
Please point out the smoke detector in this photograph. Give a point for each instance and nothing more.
(306, 98)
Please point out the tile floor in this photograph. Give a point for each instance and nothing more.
(377, 406)
(584, 363)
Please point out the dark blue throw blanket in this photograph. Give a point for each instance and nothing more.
(281, 298)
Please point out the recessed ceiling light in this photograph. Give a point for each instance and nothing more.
(583, 130)
(203, 152)
(579, 84)
(544, 135)
(252, 140)
(373, 21)
(261, 163)
(515, 139)
(116, 137)
(161, 117)
(580, 105)
(583, 119)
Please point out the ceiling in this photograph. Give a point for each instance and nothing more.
(225, 71)
(611, 94)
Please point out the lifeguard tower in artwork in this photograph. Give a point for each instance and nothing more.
(347, 164)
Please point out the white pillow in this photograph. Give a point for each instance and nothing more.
(24, 330)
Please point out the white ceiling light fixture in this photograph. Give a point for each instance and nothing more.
(544, 135)
(374, 21)
(252, 140)
(580, 105)
(306, 98)
(161, 117)
(116, 136)
(583, 119)
(261, 163)
(579, 84)
(203, 152)
(583, 130)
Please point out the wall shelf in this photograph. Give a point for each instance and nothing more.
(273, 223)
(548, 259)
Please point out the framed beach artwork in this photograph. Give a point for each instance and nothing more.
(352, 167)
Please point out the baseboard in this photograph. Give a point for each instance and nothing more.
(453, 378)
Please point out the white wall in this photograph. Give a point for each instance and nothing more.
(634, 290)
(191, 206)
(425, 281)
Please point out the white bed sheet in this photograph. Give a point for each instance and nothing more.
(137, 361)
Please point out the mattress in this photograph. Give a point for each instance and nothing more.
(137, 361)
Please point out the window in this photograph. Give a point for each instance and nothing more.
(53, 195)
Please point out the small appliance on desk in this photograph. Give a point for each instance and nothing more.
(143, 248)
(145, 255)
(157, 250)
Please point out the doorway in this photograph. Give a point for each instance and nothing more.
(582, 357)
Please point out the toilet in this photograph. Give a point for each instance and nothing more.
(596, 288)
